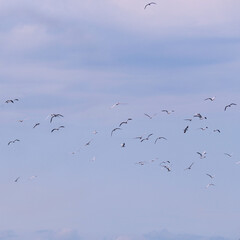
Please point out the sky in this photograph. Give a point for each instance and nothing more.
(78, 59)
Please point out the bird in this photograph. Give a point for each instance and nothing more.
(227, 106)
(140, 163)
(203, 129)
(188, 119)
(88, 143)
(36, 124)
(217, 130)
(56, 129)
(149, 4)
(123, 145)
(53, 115)
(167, 167)
(150, 117)
(210, 175)
(125, 122)
(210, 98)
(16, 140)
(168, 112)
(95, 132)
(115, 130)
(116, 104)
(185, 129)
(202, 155)
(199, 116)
(147, 138)
(210, 184)
(159, 138)
(11, 100)
(33, 177)
(227, 154)
(16, 179)
(189, 168)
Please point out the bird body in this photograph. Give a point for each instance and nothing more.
(149, 4)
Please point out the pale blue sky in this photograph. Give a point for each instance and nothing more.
(78, 58)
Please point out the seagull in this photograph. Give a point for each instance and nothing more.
(231, 104)
(210, 175)
(147, 138)
(116, 104)
(210, 184)
(199, 116)
(168, 112)
(16, 179)
(88, 143)
(227, 154)
(37, 124)
(56, 129)
(149, 4)
(125, 122)
(16, 140)
(159, 138)
(185, 129)
(189, 168)
(167, 167)
(140, 163)
(11, 100)
(203, 129)
(115, 130)
(210, 98)
(95, 132)
(123, 145)
(53, 115)
(216, 130)
(148, 116)
(188, 119)
(202, 155)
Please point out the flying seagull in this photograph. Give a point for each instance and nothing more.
(185, 129)
(188, 119)
(231, 104)
(210, 184)
(11, 100)
(168, 112)
(37, 124)
(217, 130)
(189, 168)
(114, 130)
(16, 140)
(125, 122)
(88, 143)
(56, 129)
(147, 138)
(159, 138)
(149, 4)
(116, 104)
(210, 98)
(227, 154)
(16, 179)
(199, 116)
(53, 115)
(202, 155)
(123, 145)
(203, 129)
(210, 175)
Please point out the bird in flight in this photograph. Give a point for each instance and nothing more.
(217, 130)
(150, 117)
(159, 138)
(115, 130)
(210, 184)
(53, 115)
(16, 140)
(116, 104)
(168, 112)
(210, 98)
(202, 155)
(125, 122)
(147, 138)
(88, 143)
(56, 129)
(211, 176)
(11, 100)
(185, 129)
(149, 4)
(16, 179)
(203, 129)
(199, 116)
(123, 145)
(231, 104)
(188, 119)
(227, 154)
(37, 124)
(167, 167)
(189, 168)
